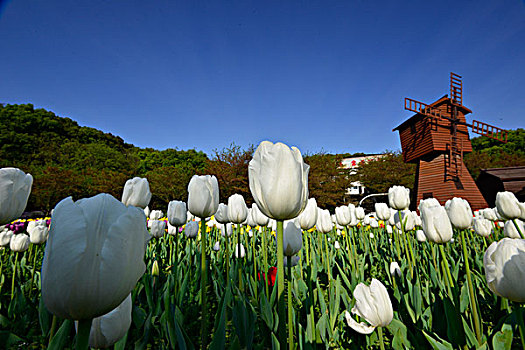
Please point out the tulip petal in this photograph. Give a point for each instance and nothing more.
(360, 327)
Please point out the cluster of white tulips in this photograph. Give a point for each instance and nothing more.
(98, 249)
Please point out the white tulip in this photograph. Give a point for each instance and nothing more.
(407, 218)
(374, 223)
(308, 217)
(482, 226)
(217, 246)
(435, 222)
(353, 218)
(229, 229)
(522, 211)
(278, 180)
(489, 214)
(459, 213)
(136, 192)
(177, 213)
(508, 205)
(417, 219)
(172, 230)
(94, 256)
(147, 211)
(504, 263)
(239, 251)
(258, 216)
(392, 219)
(203, 196)
(294, 261)
(38, 234)
(324, 223)
(389, 229)
(191, 229)
(342, 215)
(510, 231)
(337, 245)
(399, 197)
(19, 242)
(15, 187)
(292, 238)
(359, 213)
(5, 237)
(156, 214)
(190, 216)
(222, 214)
(158, 227)
(372, 304)
(250, 220)
(395, 269)
(420, 236)
(382, 211)
(237, 209)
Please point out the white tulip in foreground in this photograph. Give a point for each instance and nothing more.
(107, 329)
(279, 180)
(342, 215)
(510, 231)
(373, 304)
(94, 256)
(15, 187)
(482, 226)
(5, 237)
(505, 268)
(157, 228)
(38, 234)
(221, 215)
(136, 192)
(382, 211)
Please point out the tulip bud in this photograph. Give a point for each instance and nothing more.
(5, 237)
(459, 213)
(508, 205)
(203, 196)
(155, 268)
(420, 236)
(158, 227)
(258, 216)
(191, 229)
(482, 226)
(217, 246)
(306, 220)
(510, 231)
(359, 213)
(504, 261)
(342, 215)
(177, 213)
(292, 238)
(382, 211)
(294, 261)
(136, 192)
(373, 304)
(239, 251)
(229, 230)
(237, 210)
(19, 242)
(435, 222)
(278, 180)
(395, 269)
(337, 245)
(222, 214)
(15, 187)
(324, 223)
(399, 197)
(147, 211)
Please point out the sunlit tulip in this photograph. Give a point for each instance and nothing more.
(395, 269)
(294, 261)
(107, 329)
(38, 234)
(237, 209)
(374, 223)
(5, 237)
(353, 218)
(389, 229)
(147, 211)
(337, 245)
(217, 246)
(306, 220)
(203, 196)
(191, 229)
(420, 236)
(504, 268)
(177, 213)
(229, 230)
(459, 213)
(359, 213)
(508, 205)
(156, 214)
(482, 226)
(222, 214)
(239, 251)
(372, 304)
(324, 222)
(136, 192)
(399, 197)
(19, 242)
(15, 187)
(342, 215)
(382, 211)
(93, 257)
(489, 214)
(292, 238)
(407, 218)
(158, 227)
(435, 222)
(392, 219)
(258, 216)
(522, 211)
(250, 221)
(172, 230)
(278, 180)
(417, 219)
(510, 231)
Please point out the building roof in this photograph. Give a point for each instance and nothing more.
(437, 103)
(514, 173)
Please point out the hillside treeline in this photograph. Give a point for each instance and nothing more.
(66, 159)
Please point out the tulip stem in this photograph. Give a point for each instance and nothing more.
(280, 285)
(473, 305)
(239, 258)
(447, 269)
(254, 262)
(327, 261)
(518, 228)
(402, 220)
(84, 328)
(227, 258)
(265, 261)
(14, 276)
(290, 310)
(33, 272)
(381, 342)
(204, 280)
(52, 331)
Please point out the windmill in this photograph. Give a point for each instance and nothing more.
(436, 138)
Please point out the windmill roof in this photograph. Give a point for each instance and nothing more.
(437, 103)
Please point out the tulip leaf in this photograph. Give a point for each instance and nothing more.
(275, 342)
(138, 316)
(438, 345)
(266, 311)
(62, 336)
(121, 344)
(502, 340)
(399, 330)
(8, 339)
(244, 321)
(43, 317)
(455, 331)
(463, 298)
(219, 336)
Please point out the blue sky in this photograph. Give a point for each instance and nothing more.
(323, 76)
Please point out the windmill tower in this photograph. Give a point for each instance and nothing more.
(436, 138)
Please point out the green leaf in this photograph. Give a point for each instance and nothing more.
(455, 331)
(266, 311)
(399, 330)
(43, 317)
(60, 339)
(502, 340)
(438, 345)
(8, 339)
(463, 298)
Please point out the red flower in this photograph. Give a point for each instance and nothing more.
(272, 273)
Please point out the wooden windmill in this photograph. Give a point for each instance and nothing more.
(435, 138)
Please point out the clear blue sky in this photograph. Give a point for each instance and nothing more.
(326, 75)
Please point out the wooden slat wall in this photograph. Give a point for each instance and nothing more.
(441, 136)
(431, 178)
(417, 144)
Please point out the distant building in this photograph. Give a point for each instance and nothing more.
(494, 180)
(357, 188)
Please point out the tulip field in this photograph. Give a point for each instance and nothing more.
(202, 275)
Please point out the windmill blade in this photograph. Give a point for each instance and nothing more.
(490, 131)
(422, 108)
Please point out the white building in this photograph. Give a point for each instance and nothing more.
(357, 189)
